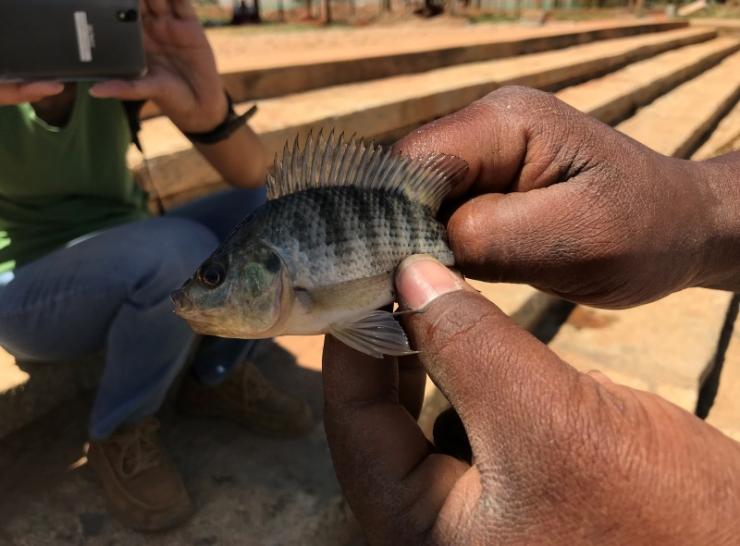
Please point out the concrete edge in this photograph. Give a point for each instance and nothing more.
(255, 84)
(252, 84)
(185, 169)
(618, 109)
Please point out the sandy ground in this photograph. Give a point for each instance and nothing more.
(249, 490)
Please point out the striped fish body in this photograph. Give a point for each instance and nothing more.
(341, 246)
(347, 233)
(320, 255)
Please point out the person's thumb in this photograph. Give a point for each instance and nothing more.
(507, 386)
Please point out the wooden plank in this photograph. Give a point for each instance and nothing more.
(379, 107)
(725, 413)
(725, 26)
(665, 347)
(617, 95)
(260, 76)
(675, 123)
(724, 139)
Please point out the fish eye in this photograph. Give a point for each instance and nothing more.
(211, 274)
(273, 263)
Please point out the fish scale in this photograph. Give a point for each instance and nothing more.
(351, 224)
(320, 255)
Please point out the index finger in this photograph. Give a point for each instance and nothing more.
(514, 139)
(475, 135)
(17, 93)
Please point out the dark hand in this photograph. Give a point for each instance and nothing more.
(561, 201)
(558, 457)
(183, 79)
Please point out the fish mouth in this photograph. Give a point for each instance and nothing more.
(183, 304)
(198, 320)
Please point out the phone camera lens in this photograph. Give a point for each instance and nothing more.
(127, 15)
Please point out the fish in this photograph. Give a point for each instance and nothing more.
(319, 256)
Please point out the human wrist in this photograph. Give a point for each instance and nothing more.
(719, 179)
(201, 120)
(230, 124)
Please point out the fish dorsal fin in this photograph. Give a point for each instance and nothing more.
(334, 161)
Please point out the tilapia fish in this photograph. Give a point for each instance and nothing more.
(320, 255)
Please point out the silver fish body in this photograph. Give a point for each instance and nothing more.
(320, 255)
(347, 237)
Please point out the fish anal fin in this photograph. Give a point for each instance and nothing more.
(375, 334)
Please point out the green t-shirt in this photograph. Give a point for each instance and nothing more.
(57, 184)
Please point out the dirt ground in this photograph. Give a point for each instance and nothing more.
(249, 490)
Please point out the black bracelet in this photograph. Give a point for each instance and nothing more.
(223, 130)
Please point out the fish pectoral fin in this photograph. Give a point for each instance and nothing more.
(400, 312)
(376, 334)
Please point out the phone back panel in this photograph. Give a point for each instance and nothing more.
(70, 40)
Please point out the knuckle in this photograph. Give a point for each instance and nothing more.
(467, 233)
(523, 102)
(516, 93)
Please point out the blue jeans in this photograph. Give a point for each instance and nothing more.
(110, 291)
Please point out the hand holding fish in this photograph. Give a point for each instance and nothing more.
(555, 456)
(558, 200)
(182, 77)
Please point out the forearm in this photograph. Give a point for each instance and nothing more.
(241, 158)
(722, 261)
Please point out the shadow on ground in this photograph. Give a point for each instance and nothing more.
(249, 490)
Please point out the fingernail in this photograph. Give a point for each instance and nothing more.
(421, 279)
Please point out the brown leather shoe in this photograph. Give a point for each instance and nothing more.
(142, 485)
(249, 399)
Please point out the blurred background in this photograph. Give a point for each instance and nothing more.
(358, 12)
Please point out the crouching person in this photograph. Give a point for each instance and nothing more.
(83, 268)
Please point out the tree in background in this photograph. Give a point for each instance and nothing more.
(246, 14)
(430, 8)
(309, 9)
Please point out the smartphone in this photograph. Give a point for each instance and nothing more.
(70, 40)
